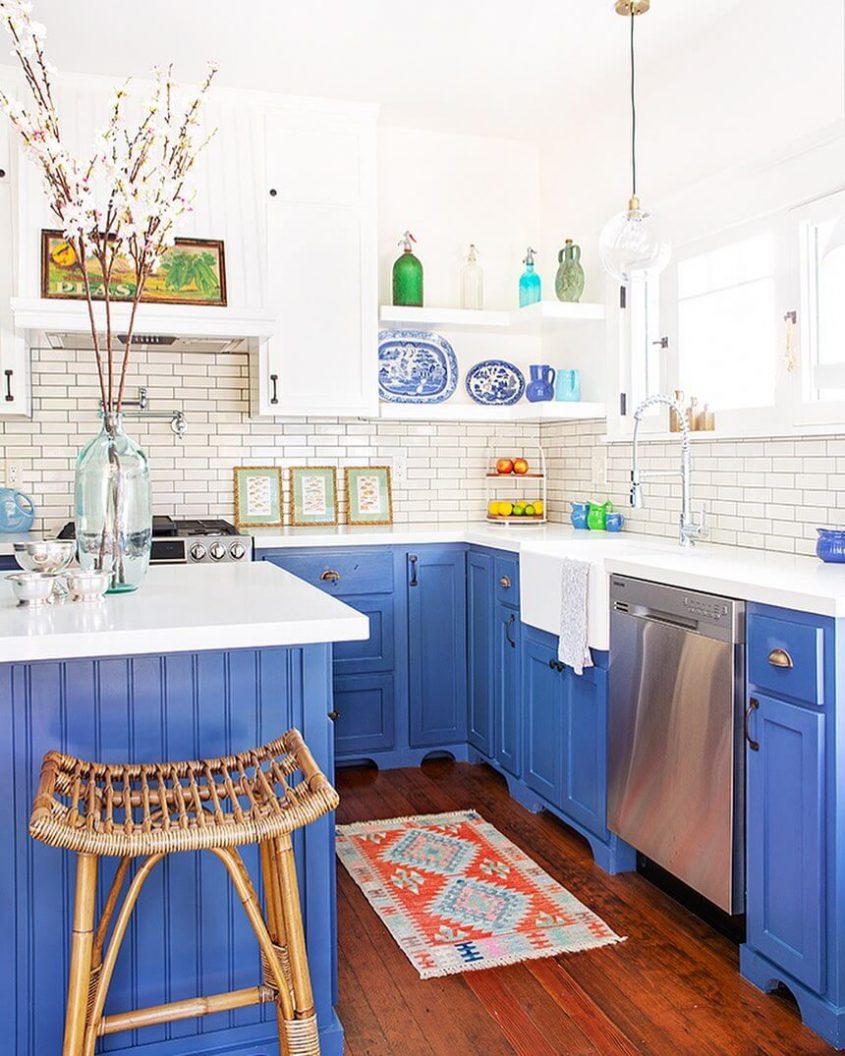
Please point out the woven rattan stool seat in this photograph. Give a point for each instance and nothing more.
(142, 809)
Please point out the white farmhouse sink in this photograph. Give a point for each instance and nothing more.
(540, 578)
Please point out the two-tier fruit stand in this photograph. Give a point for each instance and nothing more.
(518, 486)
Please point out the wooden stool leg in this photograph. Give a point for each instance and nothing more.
(276, 927)
(302, 1033)
(80, 956)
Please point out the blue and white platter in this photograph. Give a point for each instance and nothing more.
(495, 382)
(415, 366)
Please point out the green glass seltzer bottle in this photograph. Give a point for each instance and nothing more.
(407, 276)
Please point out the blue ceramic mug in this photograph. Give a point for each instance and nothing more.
(613, 521)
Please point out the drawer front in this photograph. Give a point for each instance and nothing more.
(377, 652)
(343, 573)
(786, 658)
(365, 714)
(507, 579)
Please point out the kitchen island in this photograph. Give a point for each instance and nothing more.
(202, 661)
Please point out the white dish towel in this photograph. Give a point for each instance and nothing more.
(572, 647)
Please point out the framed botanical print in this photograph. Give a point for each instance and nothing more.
(313, 495)
(258, 497)
(368, 495)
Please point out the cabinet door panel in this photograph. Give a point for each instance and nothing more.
(437, 668)
(377, 652)
(785, 838)
(480, 677)
(543, 706)
(508, 696)
(585, 741)
(366, 713)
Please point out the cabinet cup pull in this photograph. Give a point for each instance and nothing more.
(334, 715)
(505, 582)
(508, 626)
(412, 558)
(753, 705)
(780, 658)
(9, 397)
(330, 576)
(274, 381)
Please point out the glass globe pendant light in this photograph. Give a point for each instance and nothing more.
(631, 245)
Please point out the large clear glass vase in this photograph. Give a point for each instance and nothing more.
(113, 507)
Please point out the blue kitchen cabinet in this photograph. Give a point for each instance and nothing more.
(584, 787)
(786, 856)
(507, 689)
(8, 563)
(365, 683)
(481, 681)
(437, 645)
(543, 704)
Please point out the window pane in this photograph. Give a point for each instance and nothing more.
(727, 332)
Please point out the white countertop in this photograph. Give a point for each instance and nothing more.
(181, 608)
(500, 537)
(787, 580)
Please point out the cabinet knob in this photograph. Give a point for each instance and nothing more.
(556, 665)
(780, 658)
(330, 576)
(334, 715)
(505, 583)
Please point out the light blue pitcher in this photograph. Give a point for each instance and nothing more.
(568, 386)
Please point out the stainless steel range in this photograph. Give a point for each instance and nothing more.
(179, 542)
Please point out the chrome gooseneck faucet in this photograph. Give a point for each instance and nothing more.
(689, 530)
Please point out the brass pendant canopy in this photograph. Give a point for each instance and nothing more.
(632, 7)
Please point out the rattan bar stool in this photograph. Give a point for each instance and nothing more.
(151, 810)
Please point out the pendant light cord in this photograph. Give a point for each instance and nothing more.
(633, 110)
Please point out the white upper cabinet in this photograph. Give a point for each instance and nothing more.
(15, 384)
(322, 282)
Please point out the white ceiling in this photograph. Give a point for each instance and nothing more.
(494, 67)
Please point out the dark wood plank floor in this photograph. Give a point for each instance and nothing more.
(673, 988)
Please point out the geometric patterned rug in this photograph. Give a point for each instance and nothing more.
(457, 896)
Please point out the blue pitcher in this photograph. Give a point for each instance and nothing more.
(542, 384)
(579, 514)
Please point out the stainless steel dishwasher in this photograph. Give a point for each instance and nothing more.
(676, 777)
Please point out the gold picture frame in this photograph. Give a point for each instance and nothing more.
(369, 495)
(259, 497)
(313, 496)
(192, 272)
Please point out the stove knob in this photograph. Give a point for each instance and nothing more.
(237, 551)
(197, 551)
(217, 551)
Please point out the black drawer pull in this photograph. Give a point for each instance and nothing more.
(556, 665)
(508, 626)
(334, 715)
(753, 705)
(413, 560)
(274, 381)
(9, 397)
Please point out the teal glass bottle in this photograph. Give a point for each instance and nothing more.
(408, 276)
(114, 518)
(530, 287)
(569, 281)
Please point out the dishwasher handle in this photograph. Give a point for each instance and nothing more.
(642, 612)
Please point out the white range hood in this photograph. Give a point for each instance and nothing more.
(166, 327)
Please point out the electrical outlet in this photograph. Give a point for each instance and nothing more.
(14, 473)
(400, 469)
(599, 467)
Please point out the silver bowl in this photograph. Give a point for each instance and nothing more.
(87, 586)
(45, 555)
(31, 588)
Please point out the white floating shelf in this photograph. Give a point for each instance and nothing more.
(545, 315)
(550, 411)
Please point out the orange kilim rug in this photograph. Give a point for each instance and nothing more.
(457, 896)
